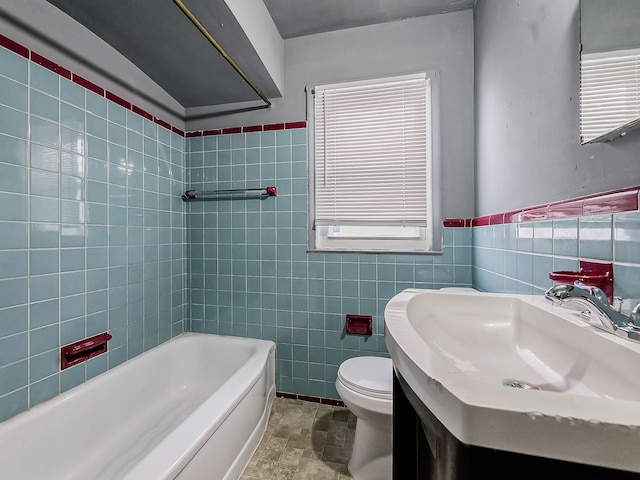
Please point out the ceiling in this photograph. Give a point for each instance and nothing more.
(163, 43)
(296, 18)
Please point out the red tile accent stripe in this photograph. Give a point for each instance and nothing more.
(273, 126)
(54, 67)
(141, 112)
(624, 200)
(119, 100)
(512, 217)
(454, 222)
(162, 123)
(570, 208)
(538, 212)
(14, 46)
(292, 125)
(83, 82)
(249, 129)
(481, 221)
(620, 201)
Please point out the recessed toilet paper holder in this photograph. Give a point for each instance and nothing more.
(359, 324)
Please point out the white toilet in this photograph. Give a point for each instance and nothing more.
(365, 385)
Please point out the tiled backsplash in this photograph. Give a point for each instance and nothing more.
(517, 257)
(92, 227)
(251, 273)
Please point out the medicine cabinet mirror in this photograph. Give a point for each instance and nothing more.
(609, 69)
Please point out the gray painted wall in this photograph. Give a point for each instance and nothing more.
(441, 42)
(528, 150)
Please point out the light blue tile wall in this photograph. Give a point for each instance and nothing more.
(251, 275)
(517, 258)
(92, 233)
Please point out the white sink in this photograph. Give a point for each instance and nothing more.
(458, 350)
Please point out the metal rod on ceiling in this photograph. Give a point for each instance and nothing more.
(222, 51)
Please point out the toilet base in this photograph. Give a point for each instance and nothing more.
(371, 458)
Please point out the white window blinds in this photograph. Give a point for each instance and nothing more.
(372, 152)
(609, 91)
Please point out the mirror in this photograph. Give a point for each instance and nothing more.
(609, 69)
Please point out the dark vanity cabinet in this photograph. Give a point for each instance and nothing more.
(423, 449)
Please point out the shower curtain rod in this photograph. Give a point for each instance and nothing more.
(222, 51)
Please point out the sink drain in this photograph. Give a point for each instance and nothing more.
(519, 384)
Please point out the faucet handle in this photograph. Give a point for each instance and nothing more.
(594, 291)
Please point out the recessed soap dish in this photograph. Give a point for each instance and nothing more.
(83, 350)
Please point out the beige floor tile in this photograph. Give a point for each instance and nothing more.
(312, 469)
(304, 441)
(285, 472)
(336, 455)
(291, 456)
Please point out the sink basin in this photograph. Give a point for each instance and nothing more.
(517, 373)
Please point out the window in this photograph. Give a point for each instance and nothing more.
(370, 151)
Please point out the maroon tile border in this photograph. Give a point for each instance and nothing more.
(274, 126)
(454, 222)
(14, 46)
(164, 124)
(120, 101)
(54, 67)
(307, 398)
(613, 202)
(142, 113)
(481, 221)
(248, 129)
(616, 201)
(83, 82)
(291, 125)
(568, 209)
(531, 214)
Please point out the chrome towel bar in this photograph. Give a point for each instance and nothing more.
(261, 193)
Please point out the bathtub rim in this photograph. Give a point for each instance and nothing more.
(232, 395)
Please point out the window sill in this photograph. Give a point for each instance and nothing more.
(379, 252)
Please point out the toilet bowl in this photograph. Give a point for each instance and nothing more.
(365, 385)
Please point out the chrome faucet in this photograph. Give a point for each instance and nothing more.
(594, 308)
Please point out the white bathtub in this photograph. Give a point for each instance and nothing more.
(193, 408)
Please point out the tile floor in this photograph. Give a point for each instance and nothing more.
(304, 441)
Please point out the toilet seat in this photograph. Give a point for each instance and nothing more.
(370, 376)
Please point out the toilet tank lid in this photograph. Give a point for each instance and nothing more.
(372, 375)
(459, 290)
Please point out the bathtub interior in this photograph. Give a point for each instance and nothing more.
(126, 413)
